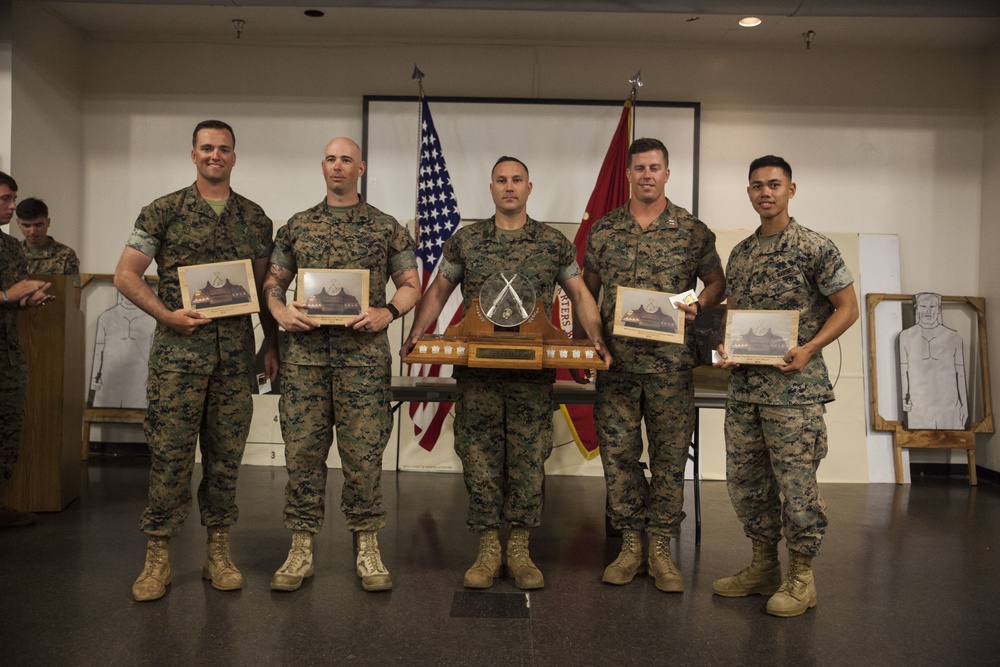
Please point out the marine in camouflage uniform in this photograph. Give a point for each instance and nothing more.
(338, 376)
(503, 420)
(651, 244)
(200, 382)
(774, 426)
(45, 254)
(650, 380)
(13, 364)
(17, 292)
(335, 375)
(53, 258)
(200, 385)
(775, 432)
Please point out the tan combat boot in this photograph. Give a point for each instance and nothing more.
(155, 577)
(661, 565)
(761, 577)
(798, 590)
(629, 562)
(487, 565)
(298, 565)
(374, 576)
(219, 566)
(519, 565)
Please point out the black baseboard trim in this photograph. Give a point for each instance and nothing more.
(957, 470)
(119, 450)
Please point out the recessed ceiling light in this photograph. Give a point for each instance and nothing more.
(314, 13)
(750, 21)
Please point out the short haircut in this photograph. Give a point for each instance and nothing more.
(32, 209)
(6, 179)
(933, 296)
(770, 161)
(645, 145)
(507, 158)
(211, 125)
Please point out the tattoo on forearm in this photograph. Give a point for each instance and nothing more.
(277, 292)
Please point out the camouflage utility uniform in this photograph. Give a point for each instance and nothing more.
(335, 375)
(13, 364)
(775, 432)
(199, 384)
(53, 258)
(503, 421)
(649, 380)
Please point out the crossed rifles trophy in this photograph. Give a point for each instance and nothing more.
(511, 331)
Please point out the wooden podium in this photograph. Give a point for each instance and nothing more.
(47, 476)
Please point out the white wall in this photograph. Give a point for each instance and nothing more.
(6, 51)
(46, 118)
(887, 142)
(987, 454)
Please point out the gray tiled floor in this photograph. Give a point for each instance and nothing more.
(908, 576)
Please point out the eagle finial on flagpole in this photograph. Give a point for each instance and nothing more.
(636, 82)
(418, 76)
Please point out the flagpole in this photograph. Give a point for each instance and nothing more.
(418, 76)
(636, 82)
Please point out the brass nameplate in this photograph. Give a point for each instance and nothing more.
(502, 353)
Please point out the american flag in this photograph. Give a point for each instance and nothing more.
(437, 220)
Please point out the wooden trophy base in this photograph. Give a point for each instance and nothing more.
(478, 343)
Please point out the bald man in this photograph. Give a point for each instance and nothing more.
(337, 375)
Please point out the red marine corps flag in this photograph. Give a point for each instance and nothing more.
(610, 192)
(437, 219)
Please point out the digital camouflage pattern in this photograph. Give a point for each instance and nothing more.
(326, 237)
(775, 433)
(183, 406)
(181, 229)
(666, 402)
(503, 435)
(13, 269)
(53, 258)
(774, 452)
(503, 421)
(357, 401)
(796, 272)
(13, 364)
(668, 256)
(199, 385)
(338, 376)
(13, 396)
(649, 380)
(538, 252)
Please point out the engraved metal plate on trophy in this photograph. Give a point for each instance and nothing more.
(506, 327)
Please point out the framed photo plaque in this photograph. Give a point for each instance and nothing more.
(333, 296)
(219, 289)
(760, 337)
(641, 313)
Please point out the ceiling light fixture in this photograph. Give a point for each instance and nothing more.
(750, 21)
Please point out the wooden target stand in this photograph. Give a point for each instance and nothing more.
(479, 343)
(931, 439)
